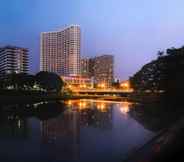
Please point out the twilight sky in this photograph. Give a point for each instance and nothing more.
(132, 30)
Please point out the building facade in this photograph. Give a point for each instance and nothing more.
(103, 70)
(100, 69)
(87, 67)
(60, 51)
(13, 60)
(78, 82)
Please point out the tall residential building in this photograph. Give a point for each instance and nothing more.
(13, 60)
(60, 51)
(103, 70)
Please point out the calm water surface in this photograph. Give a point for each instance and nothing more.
(80, 131)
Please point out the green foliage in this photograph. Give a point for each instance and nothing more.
(49, 81)
(166, 73)
(19, 81)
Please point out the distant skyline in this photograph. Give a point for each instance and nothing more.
(133, 30)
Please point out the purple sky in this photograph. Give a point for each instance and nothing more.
(132, 30)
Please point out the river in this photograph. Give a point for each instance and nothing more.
(73, 131)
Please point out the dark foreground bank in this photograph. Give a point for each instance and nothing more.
(167, 146)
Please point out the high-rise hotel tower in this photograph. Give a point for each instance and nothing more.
(60, 51)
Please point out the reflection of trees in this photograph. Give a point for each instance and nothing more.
(155, 116)
(40, 110)
(45, 111)
(14, 118)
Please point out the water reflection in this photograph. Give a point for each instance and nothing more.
(61, 135)
(156, 116)
(125, 107)
(14, 118)
(77, 130)
(96, 114)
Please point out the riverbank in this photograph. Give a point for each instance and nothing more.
(167, 145)
(11, 99)
(12, 96)
(30, 97)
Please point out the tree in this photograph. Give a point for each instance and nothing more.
(160, 53)
(49, 81)
(165, 73)
(20, 81)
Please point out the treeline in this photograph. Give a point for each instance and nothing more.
(165, 74)
(42, 81)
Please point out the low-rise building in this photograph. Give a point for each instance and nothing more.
(78, 82)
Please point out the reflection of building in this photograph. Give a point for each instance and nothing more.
(13, 60)
(62, 135)
(60, 51)
(95, 114)
(125, 107)
(96, 118)
(78, 82)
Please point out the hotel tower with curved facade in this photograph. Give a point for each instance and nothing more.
(60, 51)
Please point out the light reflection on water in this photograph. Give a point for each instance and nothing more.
(87, 130)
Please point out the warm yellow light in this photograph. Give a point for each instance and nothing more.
(126, 85)
(82, 105)
(125, 107)
(82, 86)
(124, 110)
(69, 102)
(102, 85)
(101, 107)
